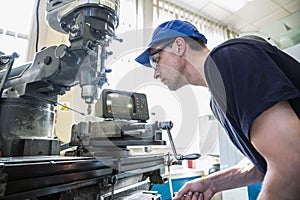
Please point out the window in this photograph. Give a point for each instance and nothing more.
(15, 27)
(214, 32)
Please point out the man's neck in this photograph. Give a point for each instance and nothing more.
(195, 67)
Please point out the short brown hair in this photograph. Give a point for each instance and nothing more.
(195, 43)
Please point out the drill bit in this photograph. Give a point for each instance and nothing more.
(89, 109)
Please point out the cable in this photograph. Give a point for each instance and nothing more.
(10, 63)
(37, 26)
(170, 176)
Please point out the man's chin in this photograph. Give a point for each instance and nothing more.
(174, 87)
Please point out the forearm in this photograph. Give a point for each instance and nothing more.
(237, 176)
(204, 188)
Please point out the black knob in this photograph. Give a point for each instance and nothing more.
(108, 70)
(47, 60)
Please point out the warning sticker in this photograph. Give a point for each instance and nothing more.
(65, 106)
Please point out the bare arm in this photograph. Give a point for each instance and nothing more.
(276, 135)
(242, 174)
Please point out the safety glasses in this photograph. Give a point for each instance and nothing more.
(154, 60)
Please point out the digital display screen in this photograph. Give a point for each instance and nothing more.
(122, 105)
(117, 102)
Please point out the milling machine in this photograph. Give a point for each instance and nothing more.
(96, 163)
(29, 92)
(100, 167)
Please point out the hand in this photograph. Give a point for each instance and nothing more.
(197, 189)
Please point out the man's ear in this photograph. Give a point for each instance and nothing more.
(180, 46)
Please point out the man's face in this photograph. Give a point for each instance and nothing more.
(168, 66)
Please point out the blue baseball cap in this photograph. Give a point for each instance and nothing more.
(167, 30)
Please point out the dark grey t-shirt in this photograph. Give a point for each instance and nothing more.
(246, 77)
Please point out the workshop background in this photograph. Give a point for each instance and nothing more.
(195, 129)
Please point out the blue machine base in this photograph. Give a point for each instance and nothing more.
(177, 183)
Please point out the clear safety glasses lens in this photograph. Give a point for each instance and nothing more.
(154, 62)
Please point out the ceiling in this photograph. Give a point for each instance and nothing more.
(274, 18)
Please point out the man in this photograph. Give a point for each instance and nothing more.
(255, 96)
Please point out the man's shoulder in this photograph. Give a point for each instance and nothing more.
(236, 42)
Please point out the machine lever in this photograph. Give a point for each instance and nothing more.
(168, 126)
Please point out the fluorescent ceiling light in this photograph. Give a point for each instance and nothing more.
(232, 5)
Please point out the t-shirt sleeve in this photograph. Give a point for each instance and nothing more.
(252, 80)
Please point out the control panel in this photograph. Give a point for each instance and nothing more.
(117, 104)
